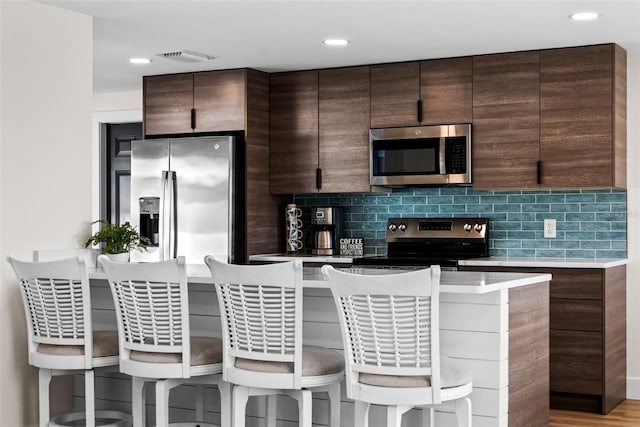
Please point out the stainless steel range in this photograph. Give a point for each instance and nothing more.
(421, 242)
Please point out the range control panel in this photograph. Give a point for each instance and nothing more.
(437, 228)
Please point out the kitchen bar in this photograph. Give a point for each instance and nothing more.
(496, 324)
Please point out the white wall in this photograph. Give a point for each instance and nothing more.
(633, 228)
(45, 172)
(118, 101)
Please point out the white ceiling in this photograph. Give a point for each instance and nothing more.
(286, 35)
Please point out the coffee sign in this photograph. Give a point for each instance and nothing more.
(352, 247)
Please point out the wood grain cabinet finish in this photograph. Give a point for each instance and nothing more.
(443, 86)
(168, 100)
(446, 91)
(550, 118)
(344, 130)
(587, 336)
(505, 120)
(293, 128)
(583, 116)
(217, 98)
(319, 131)
(395, 91)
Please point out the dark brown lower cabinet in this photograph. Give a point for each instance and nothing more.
(587, 336)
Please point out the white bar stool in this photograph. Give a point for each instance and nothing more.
(61, 341)
(261, 312)
(391, 336)
(152, 311)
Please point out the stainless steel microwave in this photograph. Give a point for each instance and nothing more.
(425, 155)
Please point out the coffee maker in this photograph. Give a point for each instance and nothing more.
(326, 228)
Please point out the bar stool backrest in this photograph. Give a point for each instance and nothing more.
(389, 324)
(152, 312)
(57, 306)
(261, 313)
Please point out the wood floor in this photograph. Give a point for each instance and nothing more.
(627, 414)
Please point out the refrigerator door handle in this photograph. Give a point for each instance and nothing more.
(172, 243)
(167, 217)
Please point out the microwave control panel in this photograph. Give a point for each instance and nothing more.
(456, 154)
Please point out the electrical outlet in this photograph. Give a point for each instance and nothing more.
(550, 228)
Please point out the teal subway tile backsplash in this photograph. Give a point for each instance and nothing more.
(589, 223)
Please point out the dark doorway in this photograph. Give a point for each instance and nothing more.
(118, 169)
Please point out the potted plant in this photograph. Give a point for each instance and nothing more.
(117, 240)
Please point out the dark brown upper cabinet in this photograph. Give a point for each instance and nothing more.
(209, 101)
(219, 100)
(583, 116)
(505, 120)
(421, 93)
(550, 119)
(344, 130)
(319, 131)
(168, 101)
(293, 132)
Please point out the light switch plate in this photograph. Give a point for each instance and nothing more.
(550, 228)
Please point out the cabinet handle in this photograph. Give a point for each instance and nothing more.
(419, 111)
(539, 172)
(193, 118)
(318, 178)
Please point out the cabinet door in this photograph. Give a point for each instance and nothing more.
(344, 129)
(505, 120)
(576, 361)
(395, 90)
(446, 91)
(168, 101)
(576, 117)
(293, 127)
(219, 100)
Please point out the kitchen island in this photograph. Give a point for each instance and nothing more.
(496, 324)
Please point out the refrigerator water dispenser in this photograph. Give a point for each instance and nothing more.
(149, 218)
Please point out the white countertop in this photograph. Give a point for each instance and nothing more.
(544, 262)
(330, 259)
(467, 282)
(473, 262)
(459, 282)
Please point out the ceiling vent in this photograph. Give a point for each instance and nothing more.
(186, 56)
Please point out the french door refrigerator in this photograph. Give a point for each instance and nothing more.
(187, 197)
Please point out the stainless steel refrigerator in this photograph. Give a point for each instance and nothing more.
(187, 198)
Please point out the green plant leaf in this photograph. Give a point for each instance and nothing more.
(117, 239)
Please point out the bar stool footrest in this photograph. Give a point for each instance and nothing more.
(104, 418)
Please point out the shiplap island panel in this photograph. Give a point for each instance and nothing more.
(496, 324)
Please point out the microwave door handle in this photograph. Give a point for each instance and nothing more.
(442, 156)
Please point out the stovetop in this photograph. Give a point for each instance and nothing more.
(430, 241)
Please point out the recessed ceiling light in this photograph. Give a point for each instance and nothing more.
(584, 16)
(139, 60)
(336, 42)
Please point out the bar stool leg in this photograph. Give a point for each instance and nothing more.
(239, 399)
(138, 402)
(225, 404)
(361, 413)
(272, 404)
(89, 398)
(44, 380)
(334, 404)
(162, 403)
